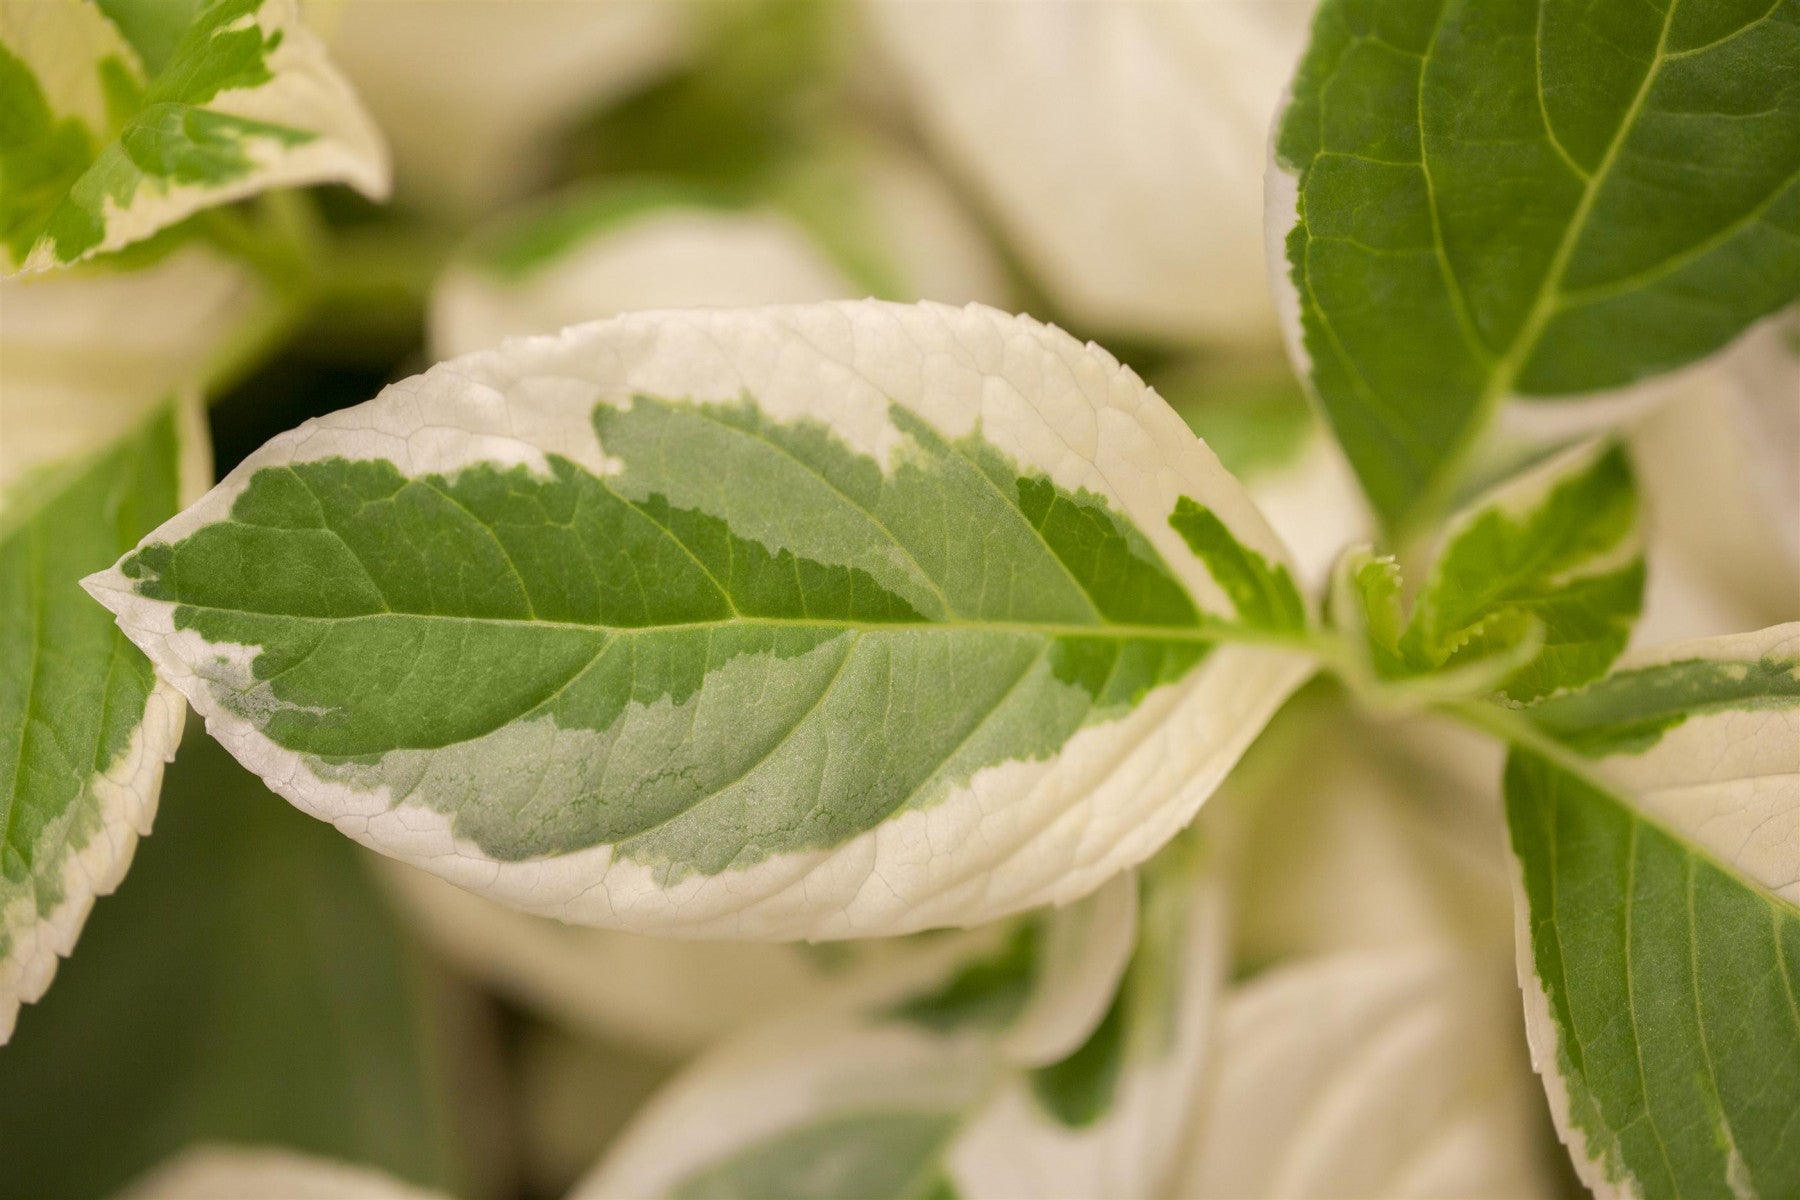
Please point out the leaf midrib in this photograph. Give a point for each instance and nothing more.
(1205, 632)
(1503, 370)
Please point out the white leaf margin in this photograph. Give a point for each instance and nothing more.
(1728, 781)
(123, 798)
(1019, 835)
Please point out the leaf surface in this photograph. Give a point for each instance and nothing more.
(100, 153)
(85, 726)
(1164, 108)
(248, 945)
(858, 217)
(828, 621)
(1488, 198)
(1372, 1073)
(1535, 590)
(1658, 918)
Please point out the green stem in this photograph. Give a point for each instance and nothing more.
(1512, 727)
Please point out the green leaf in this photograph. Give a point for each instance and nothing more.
(759, 80)
(990, 991)
(1536, 589)
(1661, 906)
(247, 984)
(1559, 546)
(1494, 198)
(806, 622)
(1262, 593)
(1254, 417)
(857, 1096)
(104, 154)
(85, 727)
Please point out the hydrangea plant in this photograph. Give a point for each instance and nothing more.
(988, 772)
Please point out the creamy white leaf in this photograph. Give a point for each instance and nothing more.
(471, 92)
(1121, 145)
(684, 254)
(88, 352)
(1386, 1073)
(671, 997)
(1720, 465)
(870, 1081)
(1016, 1148)
(673, 258)
(1365, 835)
(904, 1078)
(221, 1172)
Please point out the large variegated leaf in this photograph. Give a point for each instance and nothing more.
(100, 152)
(825, 621)
(957, 1084)
(1659, 918)
(1488, 198)
(1389, 1073)
(1120, 145)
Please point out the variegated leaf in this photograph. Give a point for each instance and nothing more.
(1659, 917)
(92, 456)
(101, 152)
(826, 621)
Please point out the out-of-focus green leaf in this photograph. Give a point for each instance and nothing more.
(1255, 420)
(759, 86)
(247, 984)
